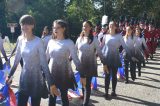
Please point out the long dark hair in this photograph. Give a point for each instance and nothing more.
(90, 37)
(132, 35)
(44, 31)
(116, 30)
(27, 19)
(63, 24)
(141, 32)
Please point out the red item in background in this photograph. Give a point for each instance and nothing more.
(12, 97)
(147, 38)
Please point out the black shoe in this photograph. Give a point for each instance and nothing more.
(144, 64)
(105, 96)
(151, 56)
(133, 78)
(126, 82)
(147, 60)
(139, 74)
(113, 94)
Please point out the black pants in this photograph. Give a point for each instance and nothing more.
(21, 62)
(132, 69)
(1, 64)
(87, 91)
(23, 100)
(139, 68)
(113, 71)
(65, 101)
(144, 63)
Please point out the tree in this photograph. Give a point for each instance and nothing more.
(3, 25)
(76, 11)
(79, 11)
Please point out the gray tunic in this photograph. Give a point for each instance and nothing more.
(58, 52)
(34, 58)
(110, 50)
(87, 55)
(139, 49)
(130, 43)
(46, 40)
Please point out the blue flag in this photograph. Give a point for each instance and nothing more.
(3, 73)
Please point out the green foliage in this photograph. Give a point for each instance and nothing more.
(75, 11)
(3, 26)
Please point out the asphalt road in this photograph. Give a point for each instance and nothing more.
(144, 91)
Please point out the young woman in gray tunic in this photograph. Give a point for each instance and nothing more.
(88, 46)
(139, 49)
(45, 36)
(59, 49)
(112, 42)
(130, 41)
(31, 50)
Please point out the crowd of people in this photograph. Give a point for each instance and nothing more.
(49, 58)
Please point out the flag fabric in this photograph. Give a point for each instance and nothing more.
(120, 72)
(2, 77)
(76, 93)
(7, 96)
(93, 82)
(77, 77)
(4, 73)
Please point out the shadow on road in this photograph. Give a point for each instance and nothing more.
(143, 84)
(150, 73)
(153, 63)
(154, 68)
(155, 59)
(148, 79)
(135, 100)
(97, 93)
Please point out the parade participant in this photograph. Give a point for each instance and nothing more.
(45, 36)
(158, 36)
(146, 36)
(104, 31)
(155, 43)
(146, 28)
(121, 26)
(3, 53)
(151, 44)
(147, 40)
(88, 46)
(139, 49)
(126, 21)
(112, 42)
(31, 50)
(141, 25)
(59, 49)
(97, 30)
(45, 32)
(129, 40)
